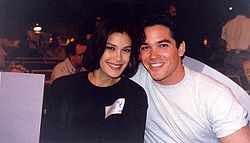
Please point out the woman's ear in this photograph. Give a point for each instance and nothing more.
(182, 49)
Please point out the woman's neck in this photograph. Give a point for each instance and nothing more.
(100, 80)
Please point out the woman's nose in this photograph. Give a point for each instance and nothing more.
(118, 55)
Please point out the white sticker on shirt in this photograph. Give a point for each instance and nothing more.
(115, 108)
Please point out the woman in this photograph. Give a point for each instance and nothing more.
(103, 104)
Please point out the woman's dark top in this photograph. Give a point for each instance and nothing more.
(75, 111)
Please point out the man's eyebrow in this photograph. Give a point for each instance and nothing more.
(163, 41)
(159, 42)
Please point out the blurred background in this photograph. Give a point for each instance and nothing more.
(203, 20)
(36, 28)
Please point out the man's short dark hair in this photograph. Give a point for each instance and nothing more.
(71, 47)
(98, 41)
(165, 20)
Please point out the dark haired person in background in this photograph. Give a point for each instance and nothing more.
(101, 104)
(73, 62)
(184, 105)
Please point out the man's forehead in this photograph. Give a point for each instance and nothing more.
(157, 30)
(158, 34)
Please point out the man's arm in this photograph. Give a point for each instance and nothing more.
(240, 136)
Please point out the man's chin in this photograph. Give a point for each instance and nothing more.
(156, 76)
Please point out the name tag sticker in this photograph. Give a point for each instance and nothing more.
(115, 108)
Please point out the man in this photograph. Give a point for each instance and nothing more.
(236, 40)
(73, 62)
(184, 105)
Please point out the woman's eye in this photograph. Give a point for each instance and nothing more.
(110, 48)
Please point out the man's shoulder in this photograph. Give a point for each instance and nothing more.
(231, 22)
(60, 65)
(131, 83)
(134, 90)
(141, 74)
(236, 20)
(64, 66)
(205, 81)
(199, 75)
(195, 69)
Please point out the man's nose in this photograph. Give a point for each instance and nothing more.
(153, 52)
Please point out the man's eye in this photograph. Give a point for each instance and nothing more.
(110, 48)
(163, 45)
(144, 47)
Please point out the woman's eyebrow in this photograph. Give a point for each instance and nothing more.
(111, 44)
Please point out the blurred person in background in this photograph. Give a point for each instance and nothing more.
(235, 37)
(18, 68)
(56, 49)
(6, 48)
(36, 43)
(73, 63)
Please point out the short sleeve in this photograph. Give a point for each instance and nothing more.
(226, 114)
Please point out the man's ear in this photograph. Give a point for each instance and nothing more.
(182, 49)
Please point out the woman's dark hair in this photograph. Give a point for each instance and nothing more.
(165, 20)
(98, 41)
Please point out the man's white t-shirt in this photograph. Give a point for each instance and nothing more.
(198, 109)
